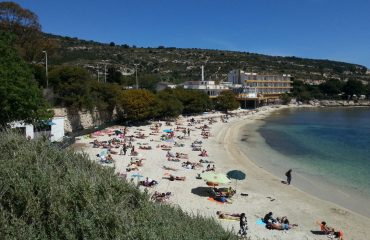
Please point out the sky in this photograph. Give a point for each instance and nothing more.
(324, 29)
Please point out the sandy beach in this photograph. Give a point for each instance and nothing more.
(265, 191)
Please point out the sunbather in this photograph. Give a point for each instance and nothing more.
(161, 197)
(225, 215)
(330, 231)
(181, 155)
(173, 178)
(148, 182)
(280, 226)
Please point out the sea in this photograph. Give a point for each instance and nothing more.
(327, 148)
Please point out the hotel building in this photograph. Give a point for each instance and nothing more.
(264, 84)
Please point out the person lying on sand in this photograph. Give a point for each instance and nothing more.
(203, 153)
(169, 168)
(209, 168)
(161, 197)
(145, 147)
(173, 159)
(280, 226)
(173, 178)
(138, 163)
(181, 155)
(205, 161)
(225, 215)
(148, 182)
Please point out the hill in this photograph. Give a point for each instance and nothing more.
(179, 65)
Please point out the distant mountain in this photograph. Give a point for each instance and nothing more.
(178, 65)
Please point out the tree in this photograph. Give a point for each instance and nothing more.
(105, 95)
(72, 86)
(286, 98)
(25, 25)
(114, 76)
(226, 101)
(112, 44)
(193, 101)
(20, 97)
(353, 87)
(136, 104)
(331, 87)
(167, 105)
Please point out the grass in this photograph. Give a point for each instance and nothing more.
(47, 193)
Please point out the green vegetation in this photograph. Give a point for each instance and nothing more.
(331, 89)
(20, 97)
(47, 193)
(178, 65)
(226, 101)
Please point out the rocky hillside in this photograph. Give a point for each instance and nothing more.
(178, 65)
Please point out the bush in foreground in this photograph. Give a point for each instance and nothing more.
(46, 193)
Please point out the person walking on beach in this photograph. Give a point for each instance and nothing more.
(288, 175)
(124, 148)
(243, 225)
(188, 132)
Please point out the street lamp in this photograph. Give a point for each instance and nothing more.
(137, 81)
(46, 69)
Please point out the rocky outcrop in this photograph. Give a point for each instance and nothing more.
(344, 103)
(77, 120)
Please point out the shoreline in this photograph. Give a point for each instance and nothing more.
(301, 207)
(314, 185)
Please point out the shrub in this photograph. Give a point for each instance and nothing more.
(48, 193)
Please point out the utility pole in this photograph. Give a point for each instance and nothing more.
(105, 73)
(46, 69)
(98, 72)
(137, 81)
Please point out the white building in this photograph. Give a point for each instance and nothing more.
(210, 87)
(54, 129)
(163, 85)
(265, 84)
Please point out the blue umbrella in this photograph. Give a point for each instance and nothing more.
(136, 175)
(167, 131)
(237, 175)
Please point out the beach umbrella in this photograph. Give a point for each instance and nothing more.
(217, 178)
(237, 175)
(167, 130)
(117, 132)
(137, 176)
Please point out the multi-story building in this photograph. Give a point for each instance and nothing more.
(264, 84)
(209, 87)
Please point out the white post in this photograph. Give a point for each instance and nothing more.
(202, 73)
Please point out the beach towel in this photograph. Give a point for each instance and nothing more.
(260, 222)
(213, 200)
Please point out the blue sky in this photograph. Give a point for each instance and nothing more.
(325, 29)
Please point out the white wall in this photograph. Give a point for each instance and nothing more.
(57, 130)
(21, 124)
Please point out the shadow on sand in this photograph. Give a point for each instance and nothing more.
(201, 191)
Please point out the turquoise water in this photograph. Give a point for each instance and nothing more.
(330, 142)
(328, 147)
